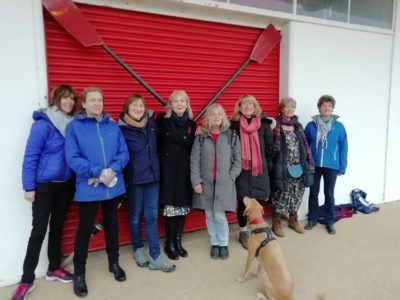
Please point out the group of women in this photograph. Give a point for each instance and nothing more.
(166, 163)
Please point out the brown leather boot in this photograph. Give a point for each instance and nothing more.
(294, 224)
(276, 227)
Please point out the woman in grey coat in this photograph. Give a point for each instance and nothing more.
(215, 163)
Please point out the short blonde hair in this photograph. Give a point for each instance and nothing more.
(286, 101)
(249, 99)
(174, 95)
(206, 121)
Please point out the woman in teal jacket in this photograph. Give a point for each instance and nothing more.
(96, 151)
(328, 142)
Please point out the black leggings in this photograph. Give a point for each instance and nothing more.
(242, 219)
(52, 200)
(87, 216)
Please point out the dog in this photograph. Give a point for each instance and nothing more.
(276, 275)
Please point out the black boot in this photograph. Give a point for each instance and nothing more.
(119, 274)
(180, 222)
(170, 229)
(80, 288)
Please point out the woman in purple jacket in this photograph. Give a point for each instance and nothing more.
(48, 185)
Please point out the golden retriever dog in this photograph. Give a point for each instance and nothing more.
(276, 275)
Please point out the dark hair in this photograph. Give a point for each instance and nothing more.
(133, 98)
(326, 98)
(63, 90)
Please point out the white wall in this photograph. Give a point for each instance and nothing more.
(22, 89)
(392, 191)
(354, 67)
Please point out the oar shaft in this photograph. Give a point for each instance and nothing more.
(136, 76)
(222, 89)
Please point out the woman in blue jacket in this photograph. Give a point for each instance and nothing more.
(96, 151)
(142, 177)
(328, 142)
(48, 185)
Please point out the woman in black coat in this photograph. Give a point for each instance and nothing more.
(254, 129)
(175, 144)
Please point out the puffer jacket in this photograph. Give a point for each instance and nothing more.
(143, 166)
(229, 166)
(90, 147)
(258, 186)
(44, 158)
(334, 156)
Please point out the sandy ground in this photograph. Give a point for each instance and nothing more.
(360, 262)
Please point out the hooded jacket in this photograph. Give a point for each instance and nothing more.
(44, 158)
(334, 154)
(90, 147)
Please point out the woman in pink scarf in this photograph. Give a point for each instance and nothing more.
(254, 130)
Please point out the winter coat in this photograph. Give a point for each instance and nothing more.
(334, 156)
(257, 186)
(90, 147)
(229, 166)
(44, 158)
(280, 174)
(143, 166)
(174, 147)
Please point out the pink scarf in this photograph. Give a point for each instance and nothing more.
(250, 144)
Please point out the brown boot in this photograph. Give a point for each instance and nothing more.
(294, 224)
(243, 238)
(276, 227)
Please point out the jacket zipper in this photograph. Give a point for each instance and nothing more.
(103, 152)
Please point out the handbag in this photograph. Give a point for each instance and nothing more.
(295, 170)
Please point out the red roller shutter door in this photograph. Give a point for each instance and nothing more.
(168, 53)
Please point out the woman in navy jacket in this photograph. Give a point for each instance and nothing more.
(142, 177)
(96, 151)
(328, 142)
(48, 185)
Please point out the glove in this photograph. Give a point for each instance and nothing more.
(30, 196)
(108, 177)
(94, 181)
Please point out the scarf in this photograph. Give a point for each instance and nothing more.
(250, 144)
(138, 124)
(298, 129)
(180, 121)
(323, 130)
(59, 119)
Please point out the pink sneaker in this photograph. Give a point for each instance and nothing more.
(61, 275)
(22, 291)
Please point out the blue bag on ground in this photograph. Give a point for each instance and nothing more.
(360, 204)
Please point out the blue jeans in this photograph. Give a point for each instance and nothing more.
(143, 199)
(329, 176)
(217, 227)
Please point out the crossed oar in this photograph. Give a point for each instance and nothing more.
(69, 16)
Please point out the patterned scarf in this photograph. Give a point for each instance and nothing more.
(250, 144)
(293, 121)
(138, 124)
(323, 130)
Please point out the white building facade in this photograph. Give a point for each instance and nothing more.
(335, 49)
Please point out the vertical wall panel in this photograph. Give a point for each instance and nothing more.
(168, 53)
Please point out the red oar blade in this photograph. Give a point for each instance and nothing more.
(72, 20)
(267, 40)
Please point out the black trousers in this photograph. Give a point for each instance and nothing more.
(87, 216)
(242, 219)
(52, 200)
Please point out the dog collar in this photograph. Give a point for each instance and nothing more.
(257, 220)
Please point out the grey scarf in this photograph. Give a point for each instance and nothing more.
(323, 129)
(59, 119)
